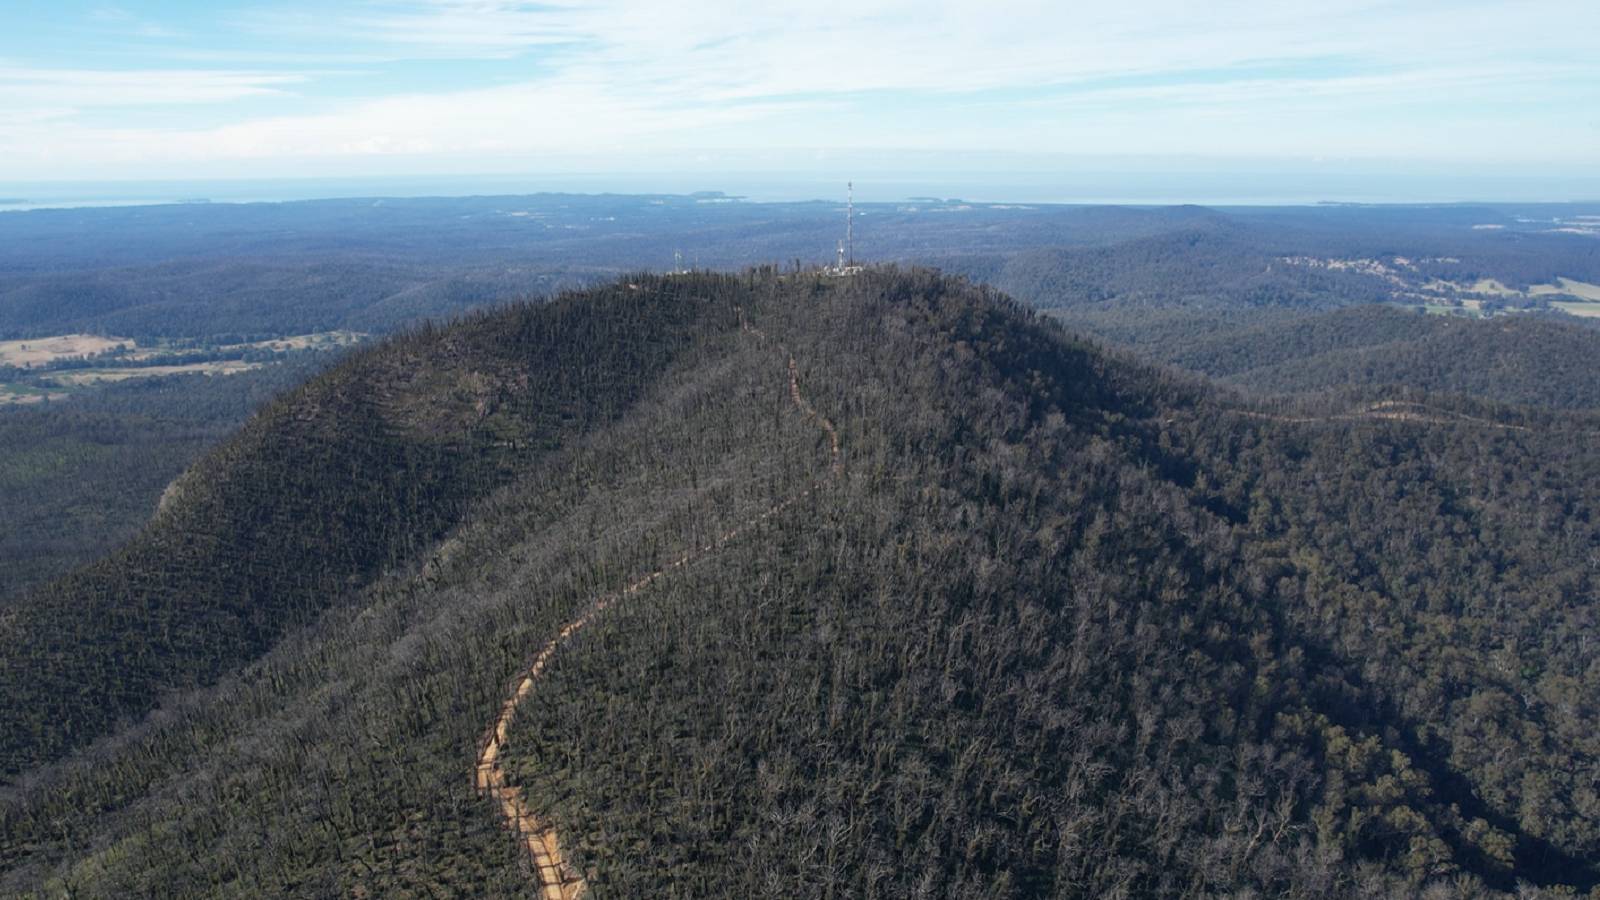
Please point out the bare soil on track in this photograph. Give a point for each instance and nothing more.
(557, 878)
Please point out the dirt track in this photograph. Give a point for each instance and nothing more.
(557, 879)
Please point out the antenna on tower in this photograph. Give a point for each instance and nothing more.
(846, 264)
(850, 221)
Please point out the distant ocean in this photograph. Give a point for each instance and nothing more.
(1137, 188)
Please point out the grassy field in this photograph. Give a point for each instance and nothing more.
(79, 377)
(1563, 287)
(41, 351)
(1587, 305)
(1441, 297)
(54, 367)
(1580, 289)
(1580, 308)
(322, 340)
(36, 352)
(1491, 287)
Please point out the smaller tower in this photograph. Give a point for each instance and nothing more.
(677, 262)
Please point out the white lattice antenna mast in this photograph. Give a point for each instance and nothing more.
(850, 221)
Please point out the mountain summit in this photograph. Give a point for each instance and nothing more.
(780, 584)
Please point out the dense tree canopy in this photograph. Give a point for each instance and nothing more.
(1066, 625)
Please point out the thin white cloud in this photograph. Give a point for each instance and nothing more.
(126, 23)
(27, 87)
(431, 29)
(110, 14)
(737, 48)
(515, 118)
(1320, 94)
(620, 76)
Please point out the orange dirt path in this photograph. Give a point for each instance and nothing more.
(557, 878)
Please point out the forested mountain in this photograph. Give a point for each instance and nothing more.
(1511, 359)
(1046, 621)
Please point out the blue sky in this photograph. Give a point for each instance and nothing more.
(180, 89)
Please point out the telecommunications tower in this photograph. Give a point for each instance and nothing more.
(850, 221)
(846, 262)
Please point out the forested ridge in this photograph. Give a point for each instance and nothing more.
(329, 485)
(1064, 625)
(1513, 359)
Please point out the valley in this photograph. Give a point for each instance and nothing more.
(51, 368)
(1486, 296)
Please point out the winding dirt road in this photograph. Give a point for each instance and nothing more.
(557, 879)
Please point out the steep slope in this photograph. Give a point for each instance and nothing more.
(1061, 625)
(352, 474)
(378, 706)
(1062, 650)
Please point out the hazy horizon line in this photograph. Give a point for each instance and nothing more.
(1150, 188)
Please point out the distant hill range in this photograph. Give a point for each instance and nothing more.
(375, 264)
